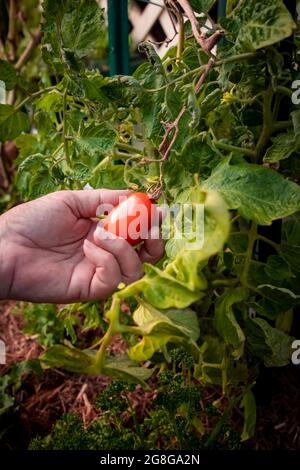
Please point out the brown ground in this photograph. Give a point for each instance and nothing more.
(41, 402)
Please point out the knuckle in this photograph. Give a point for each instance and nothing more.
(132, 277)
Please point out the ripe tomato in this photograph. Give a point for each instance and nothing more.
(132, 218)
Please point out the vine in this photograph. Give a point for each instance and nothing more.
(190, 128)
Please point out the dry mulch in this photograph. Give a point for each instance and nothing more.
(42, 401)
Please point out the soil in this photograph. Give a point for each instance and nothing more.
(41, 401)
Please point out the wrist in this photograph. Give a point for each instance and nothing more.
(6, 261)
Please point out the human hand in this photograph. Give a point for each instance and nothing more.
(49, 251)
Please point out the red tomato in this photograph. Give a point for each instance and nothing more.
(131, 219)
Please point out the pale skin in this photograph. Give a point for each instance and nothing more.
(51, 252)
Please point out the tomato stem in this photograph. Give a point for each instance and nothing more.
(113, 316)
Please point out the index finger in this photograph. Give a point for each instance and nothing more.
(87, 202)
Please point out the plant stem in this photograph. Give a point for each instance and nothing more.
(127, 156)
(267, 125)
(113, 316)
(129, 148)
(221, 421)
(36, 94)
(228, 60)
(224, 282)
(281, 125)
(180, 44)
(252, 236)
(100, 356)
(102, 164)
(11, 35)
(233, 148)
(66, 143)
(274, 245)
(284, 90)
(57, 150)
(35, 39)
(204, 74)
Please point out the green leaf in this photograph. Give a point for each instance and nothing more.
(198, 157)
(213, 351)
(97, 139)
(12, 122)
(50, 102)
(225, 321)
(151, 103)
(8, 74)
(214, 231)
(111, 177)
(34, 178)
(42, 182)
(82, 27)
(29, 144)
(202, 6)
(291, 230)
(290, 246)
(161, 290)
(277, 268)
(267, 308)
(181, 322)
(123, 368)
(160, 328)
(71, 359)
(283, 146)
(210, 101)
(291, 253)
(53, 12)
(272, 346)
(295, 115)
(280, 291)
(176, 176)
(164, 291)
(262, 23)
(14, 379)
(92, 85)
(32, 163)
(249, 405)
(253, 190)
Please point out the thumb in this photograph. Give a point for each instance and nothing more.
(87, 202)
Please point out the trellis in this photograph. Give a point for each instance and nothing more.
(152, 23)
(146, 20)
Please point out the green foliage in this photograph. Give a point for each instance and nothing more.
(43, 321)
(12, 381)
(232, 153)
(248, 403)
(159, 328)
(261, 24)
(225, 321)
(8, 74)
(12, 122)
(174, 421)
(253, 190)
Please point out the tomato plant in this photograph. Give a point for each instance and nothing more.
(193, 127)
